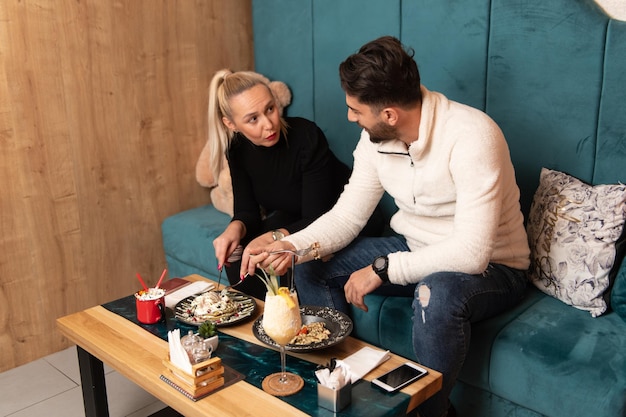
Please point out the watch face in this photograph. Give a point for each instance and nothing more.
(379, 263)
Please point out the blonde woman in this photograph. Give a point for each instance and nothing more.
(284, 175)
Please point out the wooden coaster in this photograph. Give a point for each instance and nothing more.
(272, 386)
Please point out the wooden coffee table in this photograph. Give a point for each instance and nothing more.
(103, 336)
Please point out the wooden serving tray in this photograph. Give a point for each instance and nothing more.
(205, 376)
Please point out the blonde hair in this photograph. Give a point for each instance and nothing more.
(224, 86)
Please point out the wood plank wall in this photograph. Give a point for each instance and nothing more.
(102, 118)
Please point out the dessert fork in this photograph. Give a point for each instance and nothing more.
(234, 257)
(299, 252)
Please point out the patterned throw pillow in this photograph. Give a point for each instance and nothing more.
(572, 230)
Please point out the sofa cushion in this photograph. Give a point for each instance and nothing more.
(554, 352)
(470, 401)
(188, 240)
(388, 324)
(476, 369)
(618, 294)
(572, 230)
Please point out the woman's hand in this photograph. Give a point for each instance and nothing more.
(227, 242)
(261, 241)
(257, 254)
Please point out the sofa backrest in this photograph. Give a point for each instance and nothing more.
(551, 73)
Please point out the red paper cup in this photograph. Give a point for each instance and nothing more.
(150, 305)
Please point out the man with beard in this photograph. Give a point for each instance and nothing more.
(459, 248)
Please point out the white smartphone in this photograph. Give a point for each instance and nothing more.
(400, 377)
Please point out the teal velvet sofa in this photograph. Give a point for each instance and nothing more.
(553, 75)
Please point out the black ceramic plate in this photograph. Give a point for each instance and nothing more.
(246, 306)
(338, 323)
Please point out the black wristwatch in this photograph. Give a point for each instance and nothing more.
(380, 265)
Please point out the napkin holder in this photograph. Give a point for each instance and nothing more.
(334, 399)
(205, 376)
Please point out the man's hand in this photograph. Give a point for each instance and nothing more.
(361, 283)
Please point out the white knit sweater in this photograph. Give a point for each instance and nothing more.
(455, 189)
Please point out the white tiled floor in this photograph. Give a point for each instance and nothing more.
(51, 387)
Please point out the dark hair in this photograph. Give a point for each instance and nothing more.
(382, 73)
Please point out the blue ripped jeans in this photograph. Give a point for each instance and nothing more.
(444, 304)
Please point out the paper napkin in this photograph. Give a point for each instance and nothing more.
(178, 354)
(336, 377)
(197, 287)
(364, 360)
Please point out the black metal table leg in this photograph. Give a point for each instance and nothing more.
(93, 384)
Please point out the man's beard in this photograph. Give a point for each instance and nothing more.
(382, 132)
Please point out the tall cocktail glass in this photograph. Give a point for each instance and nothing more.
(282, 322)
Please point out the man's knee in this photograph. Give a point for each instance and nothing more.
(439, 293)
(423, 295)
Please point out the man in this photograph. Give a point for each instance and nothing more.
(460, 247)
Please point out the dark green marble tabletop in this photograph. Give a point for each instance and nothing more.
(255, 362)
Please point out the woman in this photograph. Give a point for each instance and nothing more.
(284, 175)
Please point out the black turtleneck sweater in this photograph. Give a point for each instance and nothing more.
(288, 185)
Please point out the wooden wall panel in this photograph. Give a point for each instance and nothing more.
(102, 118)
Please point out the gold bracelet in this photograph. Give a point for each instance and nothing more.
(315, 252)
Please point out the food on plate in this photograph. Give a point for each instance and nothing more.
(311, 333)
(212, 305)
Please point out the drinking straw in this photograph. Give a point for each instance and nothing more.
(161, 279)
(145, 287)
